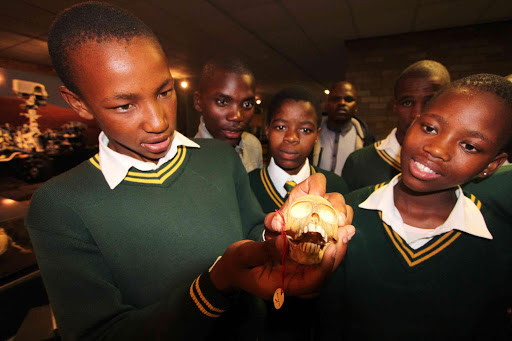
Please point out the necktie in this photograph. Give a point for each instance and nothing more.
(289, 186)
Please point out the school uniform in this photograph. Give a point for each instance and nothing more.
(397, 283)
(495, 191)
(268, 183)
(373, 164)
(124, 246)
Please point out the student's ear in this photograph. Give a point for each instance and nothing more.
(318, 131)
(76, 103)
(494, 165)
(267, 130)
(197, 102)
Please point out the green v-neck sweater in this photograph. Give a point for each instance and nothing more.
(369, 166)
(495, 191)
(456, 287)
(270, 199)
(124, 264)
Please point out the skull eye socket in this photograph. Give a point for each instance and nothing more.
(327, 214)
(301, 210)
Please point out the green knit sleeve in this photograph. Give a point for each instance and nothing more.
(349, 173)
(85, 296)
(250, 209)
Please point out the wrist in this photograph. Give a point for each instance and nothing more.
(219, 279)
(207, 298)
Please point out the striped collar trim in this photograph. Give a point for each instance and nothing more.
(438, 243)
(156, 177)
(386, 157)
(271, 190)
(413, 257)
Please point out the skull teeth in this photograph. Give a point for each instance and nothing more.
(314, 228)
(310, 247)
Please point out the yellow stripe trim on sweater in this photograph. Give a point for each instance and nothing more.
(477, 202)
(409, 256)
(161, 171)
(208, 304)
(196, 301)
(95, 160)
(387, 158)
(155, 178)
(442, 243)
(177, 163)
(377, 186)
(269, 188)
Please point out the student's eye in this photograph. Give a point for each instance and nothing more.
(406, 104)
(428, 129)
(248, 105)
(306, 130)
(221, 102)
(469, 147)
(280, 127)
(123, 108)
(349, 99)
(166, 93)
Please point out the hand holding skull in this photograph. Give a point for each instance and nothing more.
(254, 266)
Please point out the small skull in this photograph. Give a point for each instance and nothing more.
(311, 225)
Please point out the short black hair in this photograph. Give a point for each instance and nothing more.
(424, 69)
(484, 82)
(226, 63)
(297, 94)
(85, 22)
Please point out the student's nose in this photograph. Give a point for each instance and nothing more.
(291, 136)
(155, 120)
(439, 149)
(236, 114)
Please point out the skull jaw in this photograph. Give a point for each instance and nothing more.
(307, 258)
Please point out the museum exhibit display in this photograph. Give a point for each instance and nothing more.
(37, 141)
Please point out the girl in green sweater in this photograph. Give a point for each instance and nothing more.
(428, 262)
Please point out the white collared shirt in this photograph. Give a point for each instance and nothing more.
(115, 166)
(465, 217)
(278, 176)
(249, 148)
(391, 146)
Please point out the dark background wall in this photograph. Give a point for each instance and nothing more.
(374, 64)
